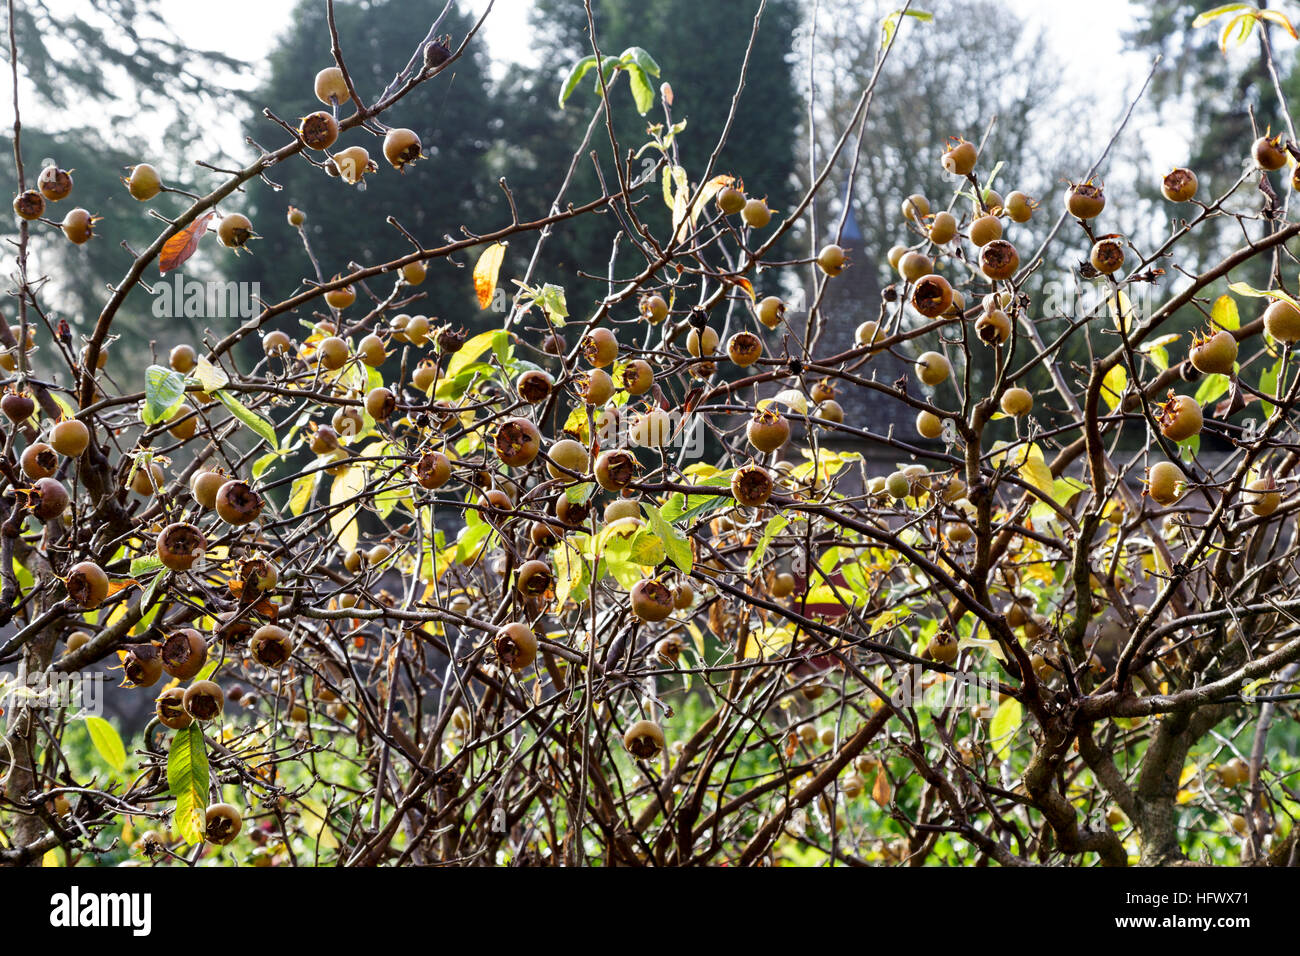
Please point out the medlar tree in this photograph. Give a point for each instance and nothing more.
(404, 595)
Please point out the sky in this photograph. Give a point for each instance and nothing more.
(1088, 47)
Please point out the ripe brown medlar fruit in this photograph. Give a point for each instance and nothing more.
(635, 377)
(170, 708)
(204, 700)
(222, 824)
(237, 503)
(960, 157)
(142, 665)
(516, 645)
(599, 347)
(572, 513)
(184, 653)
(1107, 254)
(999, 260)
(744, 348)
(644, 739)
(29, 205)
(534, 578)
(271, 646)
(651, 599)
(39, 460)
(752, 485)
(517, 442)
(1179, 185)
(932, 296)
(432, 470)
(767, 430)
(1269, 153)
(17, 407)
(534, 386)
(54, 183)
(318, 130)
(47, 499)
(615, 469)
(179, 545)
(1085, 200)
(87, 585)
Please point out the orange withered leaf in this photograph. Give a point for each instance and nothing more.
(181, 246)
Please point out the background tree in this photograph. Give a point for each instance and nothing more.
(699, 48)
(434, 197)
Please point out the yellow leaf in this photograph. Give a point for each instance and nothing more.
(485, 273)
(1113, 386)
(881, 791)
(710, 190)
(1224, 314)
(770, 639)
(1037, 473)
(1121, 311)
(343, 522)
(212, 377)
(313, 818)
(1002, 728)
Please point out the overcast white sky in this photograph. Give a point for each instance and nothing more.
(1083, 38)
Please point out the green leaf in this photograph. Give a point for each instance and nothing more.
(164, 390)
(775, 525)
(1209, 15)
(580, 493)
(265, 462)
(643, 94)
(108, 744)
(676, 546)
(470, 352)
(643, 60)
(576, 73)
(187, 779)
(1224, 314)
(1243, 24)
(256, 422)
(1268, 385)
(890, 26)
(647, 549)
(1212, 388)
(1002, 728)
(145, 564)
